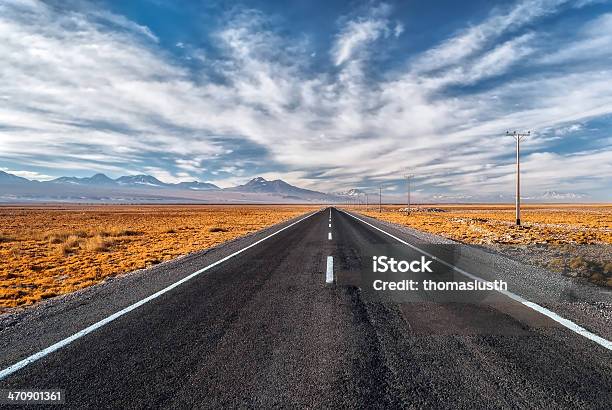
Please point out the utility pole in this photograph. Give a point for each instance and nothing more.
(518, 137)
(366, 195)
(380, 199)
(408, 175)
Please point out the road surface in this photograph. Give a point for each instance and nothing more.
(264, 329)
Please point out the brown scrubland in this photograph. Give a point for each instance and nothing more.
(575, 239)
(47, 251)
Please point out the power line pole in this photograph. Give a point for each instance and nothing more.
(518, 137)
(379, 198)
(408, 175)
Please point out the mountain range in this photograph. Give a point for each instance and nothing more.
(147, 188)
(134, 181)
(99, 188)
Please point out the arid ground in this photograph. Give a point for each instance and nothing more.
(569, 238)
(47, 251)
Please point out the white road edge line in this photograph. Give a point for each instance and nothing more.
(546, 312)
(329, 236)
(329, 274)
(56, 346)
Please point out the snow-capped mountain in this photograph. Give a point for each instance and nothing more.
(140, 181)
(278, 187)
(352, 192)
(97, 179)
(197, 186)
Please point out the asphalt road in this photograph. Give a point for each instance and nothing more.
(263, 329)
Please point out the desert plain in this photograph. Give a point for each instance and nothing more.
(46, 251)
(572, 239)
(50, 250)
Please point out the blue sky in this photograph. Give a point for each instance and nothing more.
(328, 94)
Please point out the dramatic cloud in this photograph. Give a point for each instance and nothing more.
(357, 34)
(89, 91)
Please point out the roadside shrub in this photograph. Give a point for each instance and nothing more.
(69, 245)
(217, 229)
(56, 238)
(99, 244)
(119, 232)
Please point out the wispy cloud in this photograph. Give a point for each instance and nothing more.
(477, 38)
(357, 34)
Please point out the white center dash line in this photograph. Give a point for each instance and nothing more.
(329, 236)
(330, 225)
(329, 274)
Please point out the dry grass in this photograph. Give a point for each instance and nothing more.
(542, 224)
(569, 230)
(49, 251)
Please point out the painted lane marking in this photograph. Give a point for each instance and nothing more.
(330, 225)
(329, 236)
(56, 346)
(329, 274)
(546, 312)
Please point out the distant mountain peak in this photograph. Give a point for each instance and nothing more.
(100, 179)
(97, 179)
(10, 178)
(352, 192)
(197, 186)
(100, 176)
(140, 179)
(277, 187)
(257, 181)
